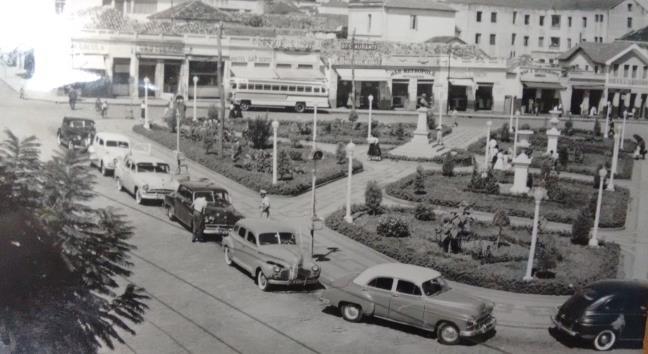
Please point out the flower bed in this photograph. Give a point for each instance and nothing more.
(328, 169)
(579, 266)
(461, 157)
(451, 191)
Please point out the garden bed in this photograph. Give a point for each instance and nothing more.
(328, 169)
(580, 265)
(451, 191)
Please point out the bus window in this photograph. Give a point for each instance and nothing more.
(309, 89)
(266, 87)
(233, 85)
(323, 90)
(284, 88)
(275, 87)
(258, 87)
(300, 88)
(291, 88)
(242, 86)
(316, 89)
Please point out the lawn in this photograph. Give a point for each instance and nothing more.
(255, 172)
(503, 270)
(451, 191)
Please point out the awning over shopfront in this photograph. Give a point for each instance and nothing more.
(364, 74)
(462, 82)
(252, 73)
(543, 85)
(299, 75)
(89, 62)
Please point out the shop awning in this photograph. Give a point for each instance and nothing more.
(90, 62)
(462, 82)
(299, 75)
(252, 73)
(364, 74)
(543, 85)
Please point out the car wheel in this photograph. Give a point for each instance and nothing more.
(228, 257)
(447, 333)
(300, 107)
(119, 185)
(262, 281)
(245, 106)
(171, 213)
(138, 197)
(605, 340)
(351, 312)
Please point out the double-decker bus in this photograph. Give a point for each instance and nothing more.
(279, 93)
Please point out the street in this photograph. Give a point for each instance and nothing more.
(200, 305)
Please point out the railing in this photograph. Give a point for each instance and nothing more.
(628, 82)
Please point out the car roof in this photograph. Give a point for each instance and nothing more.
(257, 225)
(196, 185)
(113, 136)
(67, 119)
(144, 157)
(614, 286)
(403, 271)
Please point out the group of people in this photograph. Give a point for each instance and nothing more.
(500, 158)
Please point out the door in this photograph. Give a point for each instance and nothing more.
(379, 292)
(249, 251)
(183, 205)
(635, 317)
(407, 304)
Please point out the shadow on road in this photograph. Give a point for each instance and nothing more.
(324, 257)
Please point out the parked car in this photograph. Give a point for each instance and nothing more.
(220, 215)
(106, 148)
(414, 296)
(76, 133)
(269, 250)
(605, 312)
(144, 176)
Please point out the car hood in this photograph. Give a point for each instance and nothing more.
(462, 303)
(156, 180)
(288, 255)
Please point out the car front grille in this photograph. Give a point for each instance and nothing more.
(159, 191)
(302, 274)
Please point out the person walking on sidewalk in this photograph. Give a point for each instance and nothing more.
(199, 204)
(265, 204)
(143, 110)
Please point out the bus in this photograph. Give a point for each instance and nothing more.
(297, 95)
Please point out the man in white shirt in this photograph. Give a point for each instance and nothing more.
(265, 204)
(199, 204)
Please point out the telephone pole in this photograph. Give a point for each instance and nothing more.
(221, 90)
(353, 85)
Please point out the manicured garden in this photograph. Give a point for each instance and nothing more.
(249, 162)
(474, 254)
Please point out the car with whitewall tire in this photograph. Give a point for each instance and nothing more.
(145, 177)
(106, 149)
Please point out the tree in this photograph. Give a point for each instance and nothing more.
(255, 21)
(447, 169)
(505, 134)
(548, 253)
(581, 227)
(61, 294)
(400, 131)
(284, 165)
(597, 128)
(419, 181)
(258, 132)
(353, 116)
(373, 197)
(569, 127)
(340, 153)
(424, 212)
(500, 220)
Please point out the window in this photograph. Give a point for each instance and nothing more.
(275, 87)
(300, 88)
(616, 70)
(323, 90)
(369, 23)
(569, 43)
(382, 283)
(266, 87)
(626, 69)
(261, 65)
(239, 64)
(413, 22)
(284, 66)
(541, 20)
(276, 238)
(258, 87)
(514, 16)
(601, 18)
(634, 71)
(613, 304)
(316, 89)
(493, 17)
(586, 67)
(291, 88)
(541, 42)
(479, 16)
(242, 86)
(629, 7)
(555, 21)
(405, 287)
(596, 17)
(477, 38)
(555, 42)
(241, 232)
(629, 22)
(513, 38)
(645, 73)
(309, 89)
(492, 39)
(527, 19)
(305, 66)
(596, 69)
(250, 238)
(584, 22)
(284, 88)
(526, 41)
(569, 21)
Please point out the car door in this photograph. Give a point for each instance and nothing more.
(379, 292)
(407, 304)
(635, 317)
(250, 251)
(183, 206)
(237, 247)
(128, 169)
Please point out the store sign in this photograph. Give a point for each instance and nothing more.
(161, 49)
(250, 59)
(283, 43)
(411, 73)
(359, 45)
(89, 47)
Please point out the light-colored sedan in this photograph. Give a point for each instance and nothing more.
(106, 149)
(414, 296)
(144, 176)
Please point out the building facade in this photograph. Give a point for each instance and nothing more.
(147, 7)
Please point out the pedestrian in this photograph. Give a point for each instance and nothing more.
(560, 109)
(22, 93)
(265, 204)
(104, 108)
(593, 112)
(198, 206)
(143, 110)
(423, 101)
(72, 97)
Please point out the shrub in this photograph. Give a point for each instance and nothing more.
(400, 131)
(431, 122)
(284, 165)
(296, 155)
(569, 127)
(479, 184)
(597, 178)
(392, 226)
(563, 156)
(212, 112)
(505, 134)
(424, 212)
(448, 166)
(419, 181)
(525, 126)
(597, 128)
(255, 21)
(171, 120)
(353, 116)
(548, 253)
(500, 220)
(582, 226)
(554, 191)
(373, 197)
(259, 130)
(340, 153)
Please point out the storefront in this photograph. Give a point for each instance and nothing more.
(584, 96)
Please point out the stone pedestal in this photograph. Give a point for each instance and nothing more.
(521, 169)
(422, 131)
(419, 146)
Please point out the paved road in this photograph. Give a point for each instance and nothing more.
(200, 305)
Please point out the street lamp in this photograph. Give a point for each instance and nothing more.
(179, 100)
(515, 136)
(615, 162)
(538, 195)
(147, 124)
(370, 108)
(275, 125)
(607, 119)
(488, 131)
(314, 126)
(625, 116)
(593, 242)
(511, 116)
(316, 155)
(349, 150)
(195, 82)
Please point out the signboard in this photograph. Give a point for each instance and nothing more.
(411, 73)
(358, 45)
(250, 59)
(284, 43)
(160, 49)
(85, 47)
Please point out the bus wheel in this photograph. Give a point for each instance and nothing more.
(300, 107)
(245, 105)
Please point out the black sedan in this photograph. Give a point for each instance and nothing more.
(76, 133)
(605, 312)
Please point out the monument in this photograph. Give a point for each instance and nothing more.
(552, 136)
(521, 169)
(419, 146)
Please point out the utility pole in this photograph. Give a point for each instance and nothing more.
(353, 86)
(221, 90)
(448, 95)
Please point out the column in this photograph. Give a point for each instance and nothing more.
(565, 98)
(133, 79)
(412, 92)
(332, 87)
(184, 81)
(159, 78)
(471, 92)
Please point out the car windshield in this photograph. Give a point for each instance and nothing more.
(284, 238)
(153, 167)
(213, 196)
(119, 144)
(434, 286)
(80, 124)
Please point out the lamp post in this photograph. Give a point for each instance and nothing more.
(275, 125)
(179, 101)
(623, 126)
(593, 242)
(370, 108)
(511, 116)
(538, 195)
(349, 150)
(607, 120)
(615, 162)
(488, 131)
(147, 124)
(316, 155)
(195, 82)
(515, 136)
(314, 126)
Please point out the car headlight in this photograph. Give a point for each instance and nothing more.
(315, 268)
(471, 324)
(276, 269)
(145, 187)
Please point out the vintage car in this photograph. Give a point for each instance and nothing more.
(411, 295)
(144, 176)
(269, 250)
(220, 215)
(605, 313)
(76, 133)
(106, 149)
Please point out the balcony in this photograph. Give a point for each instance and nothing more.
(621, 81)
(585, 75)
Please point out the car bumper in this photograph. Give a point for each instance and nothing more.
(308, 281)
(484, 328)
(216, 230)
(154, 195)
(570, 332)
